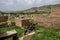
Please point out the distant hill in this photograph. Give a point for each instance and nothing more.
(34, 10)
(42, 9)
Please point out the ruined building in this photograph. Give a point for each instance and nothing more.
(3, 20)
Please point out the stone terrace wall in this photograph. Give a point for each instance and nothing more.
(52, 20)
(55, 10)
(3, 18)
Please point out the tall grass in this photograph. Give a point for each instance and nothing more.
(45, 34)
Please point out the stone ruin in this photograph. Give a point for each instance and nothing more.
(51, 20)
(3, 20)
(8, 34)
(21, 21)
(55, 15)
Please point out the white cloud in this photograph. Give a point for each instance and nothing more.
(7, 2)
(38, 1)
(24, 4)
(29, 1)
(50, 1)
(10, 2)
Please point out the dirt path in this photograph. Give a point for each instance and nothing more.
(21, 38)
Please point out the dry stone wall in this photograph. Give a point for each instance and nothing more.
(21, 22)
(3, 21)
(52, 20)
(3, 18)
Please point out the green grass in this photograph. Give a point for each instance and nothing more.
(3, 22)
(45, 34)
(19, 30)
(41, 33)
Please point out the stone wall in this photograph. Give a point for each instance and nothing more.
(3, 25)
(52, 20)
(21, 22)
(48, 20)
(3, 18)
(55, 10)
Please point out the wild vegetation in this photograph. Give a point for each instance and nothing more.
(41, 33)
(45, 33)
(19, 31)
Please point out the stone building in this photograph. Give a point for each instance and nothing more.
(21, 22)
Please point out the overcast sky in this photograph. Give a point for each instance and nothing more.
(13, 5)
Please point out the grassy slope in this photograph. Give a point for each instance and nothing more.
(41, 33)
(19, 30)
(46, 34)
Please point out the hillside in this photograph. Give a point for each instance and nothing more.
(34, 10)
(43, 9)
